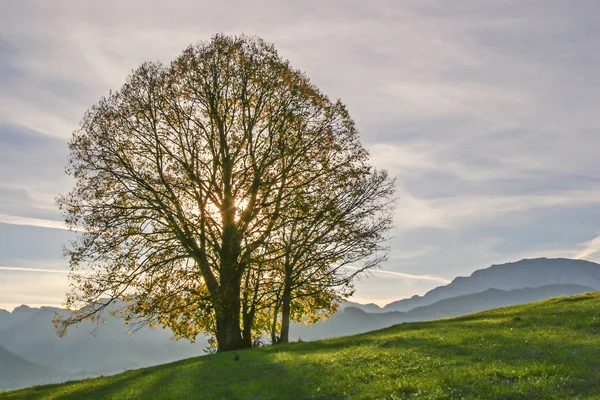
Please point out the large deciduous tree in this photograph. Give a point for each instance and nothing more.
(218, 187)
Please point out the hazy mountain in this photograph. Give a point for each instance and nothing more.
(347, 321)
(4, 319)
(92, 349)
(516, 275)
(370, 307)
(353, 320)
(18, 315)
(18, 372)
(487, 300)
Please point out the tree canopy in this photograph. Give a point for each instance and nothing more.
(219, 191)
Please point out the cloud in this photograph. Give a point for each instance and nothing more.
(31, 173)
(38, 288)
(404, 275)
(411, 276)
(383, 289)
(468, 211)
(23, 269)
(588, 248)
(485, 113)
(40, 223)
(412, 254)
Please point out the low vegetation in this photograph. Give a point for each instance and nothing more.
(546, 350)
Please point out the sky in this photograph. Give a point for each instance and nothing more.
(486, 112)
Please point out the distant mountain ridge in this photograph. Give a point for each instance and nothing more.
(29, 333)
(489, 299)
(353, 320)
(16, 371)
(515, 275)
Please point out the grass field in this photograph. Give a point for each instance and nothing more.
(547, 350)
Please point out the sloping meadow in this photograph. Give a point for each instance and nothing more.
(546, 350)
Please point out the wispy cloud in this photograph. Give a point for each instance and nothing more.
(40, 223)
(404, 275)
(467, 211)
(43, 270)
(32, 288)
(411, 276)
(588, 248)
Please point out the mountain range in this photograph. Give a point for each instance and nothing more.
(527, 273)
(18, 371)
(88, 350)
(353, 320)
(32, 353)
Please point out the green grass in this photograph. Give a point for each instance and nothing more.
(547, 350)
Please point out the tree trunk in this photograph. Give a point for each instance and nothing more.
(274, 338)
(228, 304)
(247, 331)
(227, 315)
(285, 315)
(228, 333)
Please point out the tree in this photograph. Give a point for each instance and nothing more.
(318, 247)
(185, 175)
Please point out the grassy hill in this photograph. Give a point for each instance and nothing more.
(547, 350)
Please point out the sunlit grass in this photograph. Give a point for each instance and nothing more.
(548, 350)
